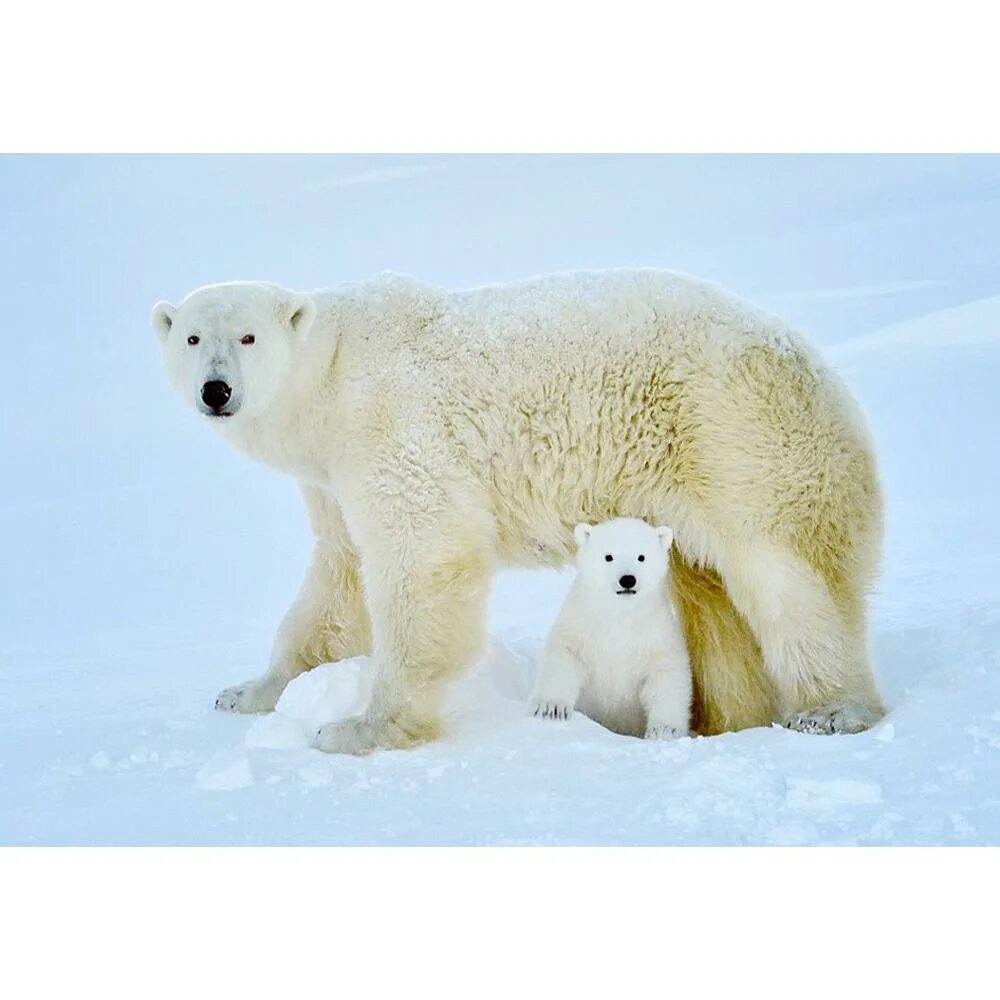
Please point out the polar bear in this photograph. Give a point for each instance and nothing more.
(440, 434)
(616, 650)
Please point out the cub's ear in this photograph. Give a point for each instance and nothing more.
(163, 319)
(666, 536)
(581, 533)
(301, 313)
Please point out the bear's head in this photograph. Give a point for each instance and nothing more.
(228, 348)
(624, 559)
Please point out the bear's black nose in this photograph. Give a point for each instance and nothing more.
(626, 582)
(215, 394)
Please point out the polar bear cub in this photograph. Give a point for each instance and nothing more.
(616, 650)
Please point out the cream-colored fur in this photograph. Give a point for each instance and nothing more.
(616, 650)
(438, 435)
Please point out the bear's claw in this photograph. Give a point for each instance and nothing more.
(230, 699)
(663, 732)
(832, 719)
(247, 698)
(552, 710)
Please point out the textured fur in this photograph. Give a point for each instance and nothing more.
(440, 434)
(617, 649)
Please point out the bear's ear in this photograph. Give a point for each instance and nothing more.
(301, 312)
(666, 536)
(163, 319)
(581, 533)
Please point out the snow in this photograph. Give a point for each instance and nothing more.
(831, 794)
(146, 566)
(225, 771)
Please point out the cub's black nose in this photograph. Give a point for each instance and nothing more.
(626, 582)
(215, 394)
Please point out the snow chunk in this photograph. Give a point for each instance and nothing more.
(885, 733)
(836, 792)
(327, 693)
(225, 771)
(277, 732)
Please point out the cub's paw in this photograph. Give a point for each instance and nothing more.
(832, 719)
(354, 736)
(557, 710)
(662, 731)
(247, 698)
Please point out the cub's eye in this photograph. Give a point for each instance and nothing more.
(248, 339)
(642, 558)
(192, 340)
(608, 558)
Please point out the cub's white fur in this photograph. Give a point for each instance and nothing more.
(616, 650)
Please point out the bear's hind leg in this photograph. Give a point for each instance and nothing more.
(732, 689)
(817, 658)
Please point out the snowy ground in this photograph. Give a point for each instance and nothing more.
(145, 566)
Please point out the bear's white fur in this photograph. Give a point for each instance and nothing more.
(616, 650)
(438, 435)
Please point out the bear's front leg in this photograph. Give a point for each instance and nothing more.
(327, 621)
(428, 597)
(557, 687)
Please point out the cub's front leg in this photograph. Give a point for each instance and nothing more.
(666, 700)
(558, 685)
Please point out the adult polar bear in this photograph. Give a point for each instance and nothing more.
(437, 435)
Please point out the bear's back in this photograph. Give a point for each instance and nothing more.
(621, 310)
(581, 301)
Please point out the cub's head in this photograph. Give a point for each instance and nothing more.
(624, 558)
(228, 348)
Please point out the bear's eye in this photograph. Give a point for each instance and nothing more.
(248, 339)
(192, 340)
(608, 558)
(642, 558)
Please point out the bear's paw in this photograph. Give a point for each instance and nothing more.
(354, 736)
(248, 698)
(833, 719)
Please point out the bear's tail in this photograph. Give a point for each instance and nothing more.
(731, 687)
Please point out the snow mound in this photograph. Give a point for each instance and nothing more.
(225, 771)
(325, 694)
(494, 690)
